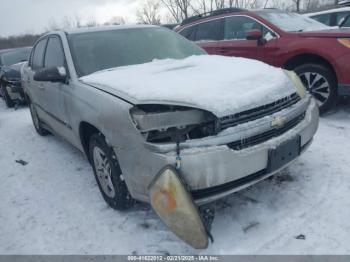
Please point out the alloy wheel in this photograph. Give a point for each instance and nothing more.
(317, 85)
(103, 172)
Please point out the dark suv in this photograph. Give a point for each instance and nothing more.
(319, 55)
(11, 61)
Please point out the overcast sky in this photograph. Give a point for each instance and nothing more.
(37, 16)
(34, 16)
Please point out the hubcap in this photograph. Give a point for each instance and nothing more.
(103, 172)
(317, 85)
(34, 116)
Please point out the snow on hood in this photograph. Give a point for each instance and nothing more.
(222, 85)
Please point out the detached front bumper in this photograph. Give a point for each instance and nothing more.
(213, 168)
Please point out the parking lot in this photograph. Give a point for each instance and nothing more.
(50, 203)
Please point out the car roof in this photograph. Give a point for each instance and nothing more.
(329, 11)
(215, 13)
(226, 12)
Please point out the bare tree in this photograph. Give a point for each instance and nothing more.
(204, 6)
(312, 5)
(179, 9)
(297, 5)
(149, 13)
(71, 22)
(53, 25)
(115, 20)
(91, 22)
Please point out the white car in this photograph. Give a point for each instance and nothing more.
(163, 122)
(333, 17)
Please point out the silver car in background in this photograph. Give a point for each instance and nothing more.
(139, 100)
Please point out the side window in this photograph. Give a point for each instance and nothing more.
(324, 19)
(236, 27)
(212, 30)
(188, 33)
(38, 55)
(54, 53)
(340, 18)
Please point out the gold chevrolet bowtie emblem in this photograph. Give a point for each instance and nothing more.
(278, 121)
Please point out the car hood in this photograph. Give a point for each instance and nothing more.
(331, 33)
(221, 85)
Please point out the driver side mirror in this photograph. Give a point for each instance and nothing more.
(51, 74)
(257, 35)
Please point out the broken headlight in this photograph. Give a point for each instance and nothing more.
(163, 124)
(299, 86)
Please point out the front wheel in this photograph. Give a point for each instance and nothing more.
(321, 83)
(108, 174)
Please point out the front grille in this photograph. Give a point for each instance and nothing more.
(258, 112)
(263, 137)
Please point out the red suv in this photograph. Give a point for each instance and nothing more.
(319, 54)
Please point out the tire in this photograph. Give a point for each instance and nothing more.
(9, 102)
(108, 174)
(320, 81)
(36, 121)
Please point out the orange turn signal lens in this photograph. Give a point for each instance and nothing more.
(344, 42)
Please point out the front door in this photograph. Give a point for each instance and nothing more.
(54, 103)
(235, 41)
(36, 63)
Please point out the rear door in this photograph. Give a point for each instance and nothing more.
(206, 34)
(209, 34)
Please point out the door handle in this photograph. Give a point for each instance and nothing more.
(41, 86)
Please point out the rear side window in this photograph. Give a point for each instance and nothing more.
(324, 19)
(188, 33)
(340, 18)
(38, 55)
(54, 53)
(212, 31)
(236, 27)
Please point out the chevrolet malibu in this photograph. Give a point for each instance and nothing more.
(147, 107)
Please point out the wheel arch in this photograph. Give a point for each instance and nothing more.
(308, 58)
(86, 130)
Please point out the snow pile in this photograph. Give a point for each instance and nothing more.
(223, 85)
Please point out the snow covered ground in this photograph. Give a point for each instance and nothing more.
(52, 205)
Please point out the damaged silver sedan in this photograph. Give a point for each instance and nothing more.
(163, 122)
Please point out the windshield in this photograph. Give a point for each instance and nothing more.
(292, 22)
(95, 51)
(14, 57)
